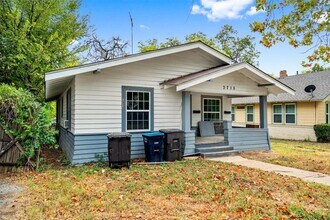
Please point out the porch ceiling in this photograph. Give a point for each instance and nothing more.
(240, 79)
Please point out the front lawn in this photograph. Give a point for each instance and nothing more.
(299, 154)
(194, 189)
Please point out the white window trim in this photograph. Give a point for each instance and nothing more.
(220, 118)
(130, 110)
(273, 114)
(246, 114)
(295, 113)
(327, 115)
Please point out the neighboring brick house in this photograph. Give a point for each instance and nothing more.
(290, 116)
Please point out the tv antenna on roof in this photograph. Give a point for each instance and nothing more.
(131, 19)
(310, 89)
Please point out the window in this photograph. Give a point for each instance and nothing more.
(327, 115)
(249, 113)
(277, 114)
(211, 109)
(290, 113)
(138, 110)
(68, 108)
(233, 113)
(62, 107)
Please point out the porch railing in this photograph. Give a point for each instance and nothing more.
(245, 139)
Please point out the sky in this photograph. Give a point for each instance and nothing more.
(177, 18)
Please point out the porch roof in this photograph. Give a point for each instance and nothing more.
(261, 78)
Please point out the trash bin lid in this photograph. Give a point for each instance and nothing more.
(169, 131)
(119, 135)
(153, 134)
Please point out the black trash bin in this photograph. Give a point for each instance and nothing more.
(119, 149)
(153, 146)
(173, 144)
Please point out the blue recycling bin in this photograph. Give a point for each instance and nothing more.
(153, 146)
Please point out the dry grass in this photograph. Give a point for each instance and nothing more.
(196, 189)
(299, 154)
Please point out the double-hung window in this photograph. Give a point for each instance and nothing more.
(277, 114)
(233, 113)
(249, 113)
(327, 114)
(290, 113)
(68, 108)
(138, 110)
(211, 109)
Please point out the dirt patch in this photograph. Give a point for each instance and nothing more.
(8, 191)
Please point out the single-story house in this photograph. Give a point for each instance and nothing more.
(168, 88)
(290, 116)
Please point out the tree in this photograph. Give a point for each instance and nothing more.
(100, 50)
(227, 41)
(36, 37)
(200, 36)
(240, 49)
(301, 23)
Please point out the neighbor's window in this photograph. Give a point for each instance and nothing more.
(277, 114)
(138, 110)
(211, 109)
(233, 113)
(327, 115)
(290, 113)
(249, 113)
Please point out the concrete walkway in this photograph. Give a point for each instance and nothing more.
(287, 171)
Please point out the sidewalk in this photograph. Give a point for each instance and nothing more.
(287, 171)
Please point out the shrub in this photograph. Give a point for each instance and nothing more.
(322, 132)
(27, 120)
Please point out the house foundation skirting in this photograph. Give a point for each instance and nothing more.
(84, 148)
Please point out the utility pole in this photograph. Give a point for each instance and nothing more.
(132, 44)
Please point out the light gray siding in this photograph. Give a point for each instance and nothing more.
(66, 142)
(88, 146)
(246, 139)
(189, 142)
(99, 101)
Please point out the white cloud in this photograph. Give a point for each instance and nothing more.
(221, 9)
(142, 26)
(253, 11)
(74, 42)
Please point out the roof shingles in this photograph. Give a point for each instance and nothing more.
(298, 82)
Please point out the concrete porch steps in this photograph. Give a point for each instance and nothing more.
(202, 145)
(216, 151)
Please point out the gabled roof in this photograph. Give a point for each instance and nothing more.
(56, 81)
(298, 82)
(70, 71)
(273, 85)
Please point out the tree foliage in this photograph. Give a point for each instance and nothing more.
(35, 37)
(28, 121)
(100, 50)
(227, 41)
(240, 49)
(301, 23)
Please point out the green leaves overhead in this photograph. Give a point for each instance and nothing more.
(227, 41)
(300, 23)
(37, 36)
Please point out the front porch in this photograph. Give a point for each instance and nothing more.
(206, 97)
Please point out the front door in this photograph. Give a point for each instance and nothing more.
(211, 109)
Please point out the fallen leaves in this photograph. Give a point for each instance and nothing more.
(187, 189)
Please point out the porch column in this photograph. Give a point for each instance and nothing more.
(186, 111)
(263, 111)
